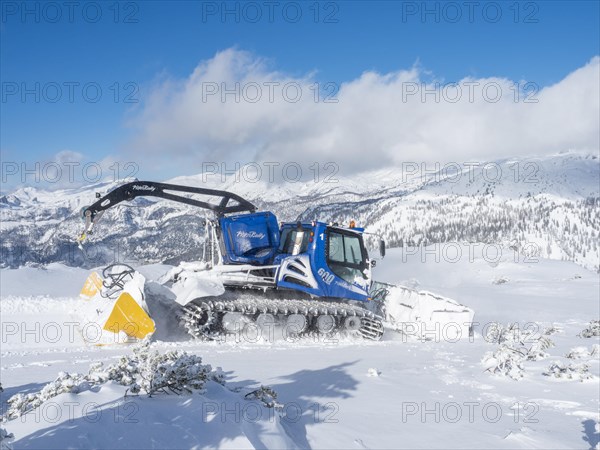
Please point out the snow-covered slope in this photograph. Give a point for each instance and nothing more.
(401, 392)
(549, 206)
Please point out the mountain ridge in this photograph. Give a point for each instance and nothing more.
(550, 201)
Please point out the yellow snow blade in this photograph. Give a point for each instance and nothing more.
(92, 285)
(129, 317)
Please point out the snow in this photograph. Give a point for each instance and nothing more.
(401, 392)
(54, 280)
(191, 285)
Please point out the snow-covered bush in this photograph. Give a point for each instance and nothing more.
(552, 329)
(583, 352)
(500, 280)
(145, 371)
(579, 372)
(506, 360)
(509, 358)
(497, 333)
(174, 372)
(74, 383)
(5, 439)
(513, 335)
(266, 395)
(153, 372)
(538, 349)
(592, 330)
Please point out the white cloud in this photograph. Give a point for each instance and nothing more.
(66, 157)
(379, 119)
(65, 169)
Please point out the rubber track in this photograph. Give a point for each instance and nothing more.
(201, 317)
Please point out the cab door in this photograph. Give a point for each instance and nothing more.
(346, 255)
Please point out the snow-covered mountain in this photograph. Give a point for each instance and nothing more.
(548, 206)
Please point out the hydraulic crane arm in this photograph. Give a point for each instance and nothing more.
(129, 191)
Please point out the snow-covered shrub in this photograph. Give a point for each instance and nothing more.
(512, 334)
(500, 280)
(497, 333)
(506, 360)
(154, 372)
(74, 383)
(5, 439)
(583, 352)
(513, 348)
(122, 372)
(552, 329)
(266, 395)
(173, 371)
(577, 353)
(144, 371)
(538, 349)
(592, 330)
(579, 372)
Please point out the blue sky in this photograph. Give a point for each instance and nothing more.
(544, 43)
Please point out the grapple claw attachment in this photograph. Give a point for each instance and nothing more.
(114, 310)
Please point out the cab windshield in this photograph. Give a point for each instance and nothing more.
(345, 255)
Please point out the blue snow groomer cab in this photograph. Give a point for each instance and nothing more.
(315, 258)
(324, 260)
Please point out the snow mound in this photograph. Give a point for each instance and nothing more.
(372, 372)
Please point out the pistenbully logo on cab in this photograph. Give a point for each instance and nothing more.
(250, 235)
(143, 187)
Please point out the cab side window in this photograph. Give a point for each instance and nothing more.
(294, 241)
(345, 255)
